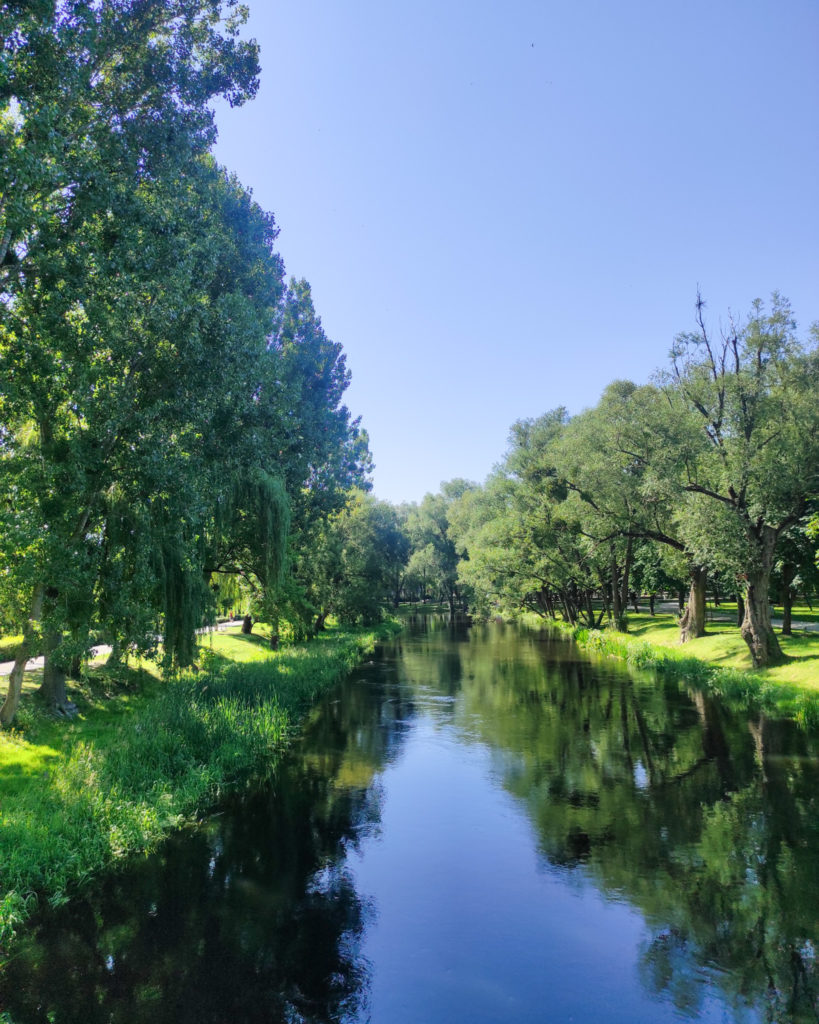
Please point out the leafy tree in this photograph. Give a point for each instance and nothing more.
(749, 472)
(111, 304)
(428, 526)
(352, 562)
(523, 538)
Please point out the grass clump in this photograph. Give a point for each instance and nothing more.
(146, 756)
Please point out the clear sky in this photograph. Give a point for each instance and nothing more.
(503, 206)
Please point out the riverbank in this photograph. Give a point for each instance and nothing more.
(144, 756)
(719, 661)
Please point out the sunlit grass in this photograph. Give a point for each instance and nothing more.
(724, 647)
(8, 647)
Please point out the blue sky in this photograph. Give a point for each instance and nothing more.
(502, 207)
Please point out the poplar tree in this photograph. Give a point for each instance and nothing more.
(105, 119)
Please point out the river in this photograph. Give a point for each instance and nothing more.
(481, 825)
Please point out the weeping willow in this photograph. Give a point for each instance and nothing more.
(261, 511)
(186, 597)
(251, 518)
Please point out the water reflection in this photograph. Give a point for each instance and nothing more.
(253, 918)
(480, 825)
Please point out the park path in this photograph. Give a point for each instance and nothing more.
(98, 651)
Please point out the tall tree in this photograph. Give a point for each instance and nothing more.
(753, 392)
(428, 526)
(109, 302)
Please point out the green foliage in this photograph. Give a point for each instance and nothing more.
(737, 687)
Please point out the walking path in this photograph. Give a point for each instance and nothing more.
(672, 607)
(96, 652)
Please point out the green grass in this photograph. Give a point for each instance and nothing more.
(799, 612)
(144, 755)
(723, 647)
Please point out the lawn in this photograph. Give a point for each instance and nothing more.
(724, 647)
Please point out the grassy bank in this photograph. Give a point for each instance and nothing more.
(143, 756)
(719, 662)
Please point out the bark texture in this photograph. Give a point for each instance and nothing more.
(12, 701)
(756, 629)
(692, 623)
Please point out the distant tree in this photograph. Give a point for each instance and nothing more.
(428, 527)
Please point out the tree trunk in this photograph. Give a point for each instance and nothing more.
(12, 701)
(651, 603)
(788, 573)
(692, 623)
(740, 609)
(247, 624)
(617, 617)
(624, 585)
(115, 657)
(52, 689)
(756, 629)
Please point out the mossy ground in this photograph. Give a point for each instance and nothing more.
(144, 755)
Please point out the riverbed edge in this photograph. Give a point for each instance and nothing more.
(103, 802)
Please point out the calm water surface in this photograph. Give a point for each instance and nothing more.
(480, 826)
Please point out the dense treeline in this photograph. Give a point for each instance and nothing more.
(707, 477)
(171, 414)
(705, 480)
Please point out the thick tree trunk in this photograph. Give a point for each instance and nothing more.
(247, 624)
(52, 689)
(15, 690)
(692, 623)
(756, 629)
(740, 609)
(115, 657)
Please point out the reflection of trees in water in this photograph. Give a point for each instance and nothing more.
(253, 918)
(706, 823)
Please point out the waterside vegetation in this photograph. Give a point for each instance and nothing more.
(145, 755)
